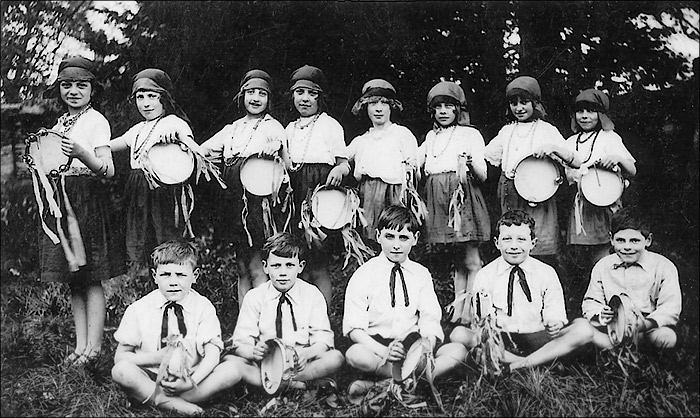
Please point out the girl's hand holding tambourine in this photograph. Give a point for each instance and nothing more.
(271, 148)
(609, 162)
(71, 149)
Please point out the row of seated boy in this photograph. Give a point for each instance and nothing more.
(387, 298)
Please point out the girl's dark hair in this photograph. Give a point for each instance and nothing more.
(396, 217)
(284, 244)
(523, 95)
(516, 217)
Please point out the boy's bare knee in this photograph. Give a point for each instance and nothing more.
(464, 336)
(663, 338)
(122, 370)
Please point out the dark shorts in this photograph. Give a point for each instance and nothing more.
(525, 344)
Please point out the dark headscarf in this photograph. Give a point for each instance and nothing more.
(593, 100)
(153, 79)
(526, 86)
(377, 88)
(449, 92)
(309, 77)
(254, 79)
(74, 69)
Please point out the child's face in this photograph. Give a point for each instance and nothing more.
(630, 244)
(76, 94)
(515, 243)
(379, 112)
(396, 245)
(149, 104)
(522, 109)
(445, 113)
(175, 280)
(255, 101)
(587, 119)
(283, 271)
(306, 101)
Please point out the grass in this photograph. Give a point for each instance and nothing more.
(37, 333)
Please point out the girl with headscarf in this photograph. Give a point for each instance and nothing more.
(452, 157)
(156, 211)
(385, 157)
(529, 135)
(316, 148)
(246, 220)
(596, 144)
(81, 252)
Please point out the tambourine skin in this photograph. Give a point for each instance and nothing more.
(328, 205)
(624, 321)
(170, 163)
(415, 360)
(537, 179)
(258, 175)
(278, 368)
(601, 187)
(43, 150)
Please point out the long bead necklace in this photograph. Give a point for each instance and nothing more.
(66, 121)
(296, 166)
(579, 141)
(229, 161)
(506, 152)
(137, 153)
(447, 143)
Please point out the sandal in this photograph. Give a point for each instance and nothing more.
(87, 357)
(72, 358)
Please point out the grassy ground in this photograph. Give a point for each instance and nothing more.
(37, 332)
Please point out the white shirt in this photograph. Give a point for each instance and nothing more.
(368, 301)
(593, 149)
(246, 137)
(440, 149)
(91, 130)
(319, 142)
(256, 321)
(140, 326)
(381, 154)
(516, 141)
(652, 285)
(142, 136)
(527, 317)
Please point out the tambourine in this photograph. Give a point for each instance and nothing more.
(279, 367)
(417, 350)
(43, 152)
(332, 207)
(537, 179)
(261, 176)
(170, 163)
(602, 187)
(625, 321)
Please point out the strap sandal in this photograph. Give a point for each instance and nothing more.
(72, 358)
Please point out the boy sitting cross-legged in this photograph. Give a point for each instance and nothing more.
(146, 330)
(389, 297)
(289, 309)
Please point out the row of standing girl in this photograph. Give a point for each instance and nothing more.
(386, 161)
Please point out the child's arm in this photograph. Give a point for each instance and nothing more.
(612, 161)
(394, 352)
(559, 152)
(203, 369)
(252, 352)
(593, 302)
(128, 353)
(669, 300)
(341, 169)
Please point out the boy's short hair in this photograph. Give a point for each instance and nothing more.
(176, 251)
(516, 217)
(628, 218)
(396, 217)
(284, 244)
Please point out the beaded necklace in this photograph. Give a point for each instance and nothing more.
(506, 151)
(579, 141)
(229, 161)
(447, 144)
(68, 121)
(137, 153)
(307, 138)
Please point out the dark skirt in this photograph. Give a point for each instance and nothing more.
(544, 213)
(103, 243)
(229, 227)
(304, 183)
(150, 216)
(375, 195)
(596, 224)
(476, 224)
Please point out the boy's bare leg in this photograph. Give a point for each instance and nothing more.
(249, 371)
(322, 366)
(448, 357)
(226, 375)
(362, 358)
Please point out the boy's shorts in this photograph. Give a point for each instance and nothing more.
(525, 344)
(410, 338)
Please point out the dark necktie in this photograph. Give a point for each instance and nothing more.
(626, 265)
(392, 284)
(278, 320)
(516, 270)
(180, 321)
